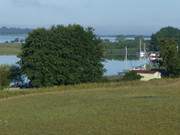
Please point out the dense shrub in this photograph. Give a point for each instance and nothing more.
(15, 73)
(62, 55)
(170, 57)
(131, 75)
(4, 76)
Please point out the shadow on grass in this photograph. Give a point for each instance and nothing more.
(148, 97)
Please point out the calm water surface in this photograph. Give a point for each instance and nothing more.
(9, 38)
(8, 60)
(113, 67)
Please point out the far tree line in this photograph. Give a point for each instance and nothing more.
(9, 31)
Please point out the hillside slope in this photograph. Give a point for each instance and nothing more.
(130, 108)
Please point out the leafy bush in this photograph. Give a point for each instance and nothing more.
(131, 75)
(15, 73)
(62, 55)
(4, 76)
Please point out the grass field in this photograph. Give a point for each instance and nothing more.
(125, 108)
(10, 49)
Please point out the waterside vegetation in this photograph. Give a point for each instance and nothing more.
(10, 48)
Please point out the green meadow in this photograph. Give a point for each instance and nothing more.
(10, 48)
(119, 108)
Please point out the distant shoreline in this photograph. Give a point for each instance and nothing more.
(14, 31)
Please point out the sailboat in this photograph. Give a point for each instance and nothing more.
(126, 60)
(142, 54)
(142, 57)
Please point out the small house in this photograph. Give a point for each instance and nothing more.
(148, 75)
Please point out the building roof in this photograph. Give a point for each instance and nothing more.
(145, 71)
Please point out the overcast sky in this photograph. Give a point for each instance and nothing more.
(106, 16)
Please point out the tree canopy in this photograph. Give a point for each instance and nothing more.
(164, 34)
(170, 57)
(62, 55)
(7, 31)
(167, 42)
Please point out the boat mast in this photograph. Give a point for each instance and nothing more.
(145, 53)
(140, 44)
(126, 57)
(177, 48)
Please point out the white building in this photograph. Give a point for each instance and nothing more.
(148, 75)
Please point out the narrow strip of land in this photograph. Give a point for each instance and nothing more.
(10, 49)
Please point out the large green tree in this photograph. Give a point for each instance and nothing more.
(170, 57)
(164, 34)
(167, 42)
(62, 55)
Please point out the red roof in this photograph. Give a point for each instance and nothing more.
(145, 71)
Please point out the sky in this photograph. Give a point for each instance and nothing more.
(106, 16)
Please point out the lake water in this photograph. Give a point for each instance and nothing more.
(114, 38)
(113, 67)
(8, 60)
(9, 38)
